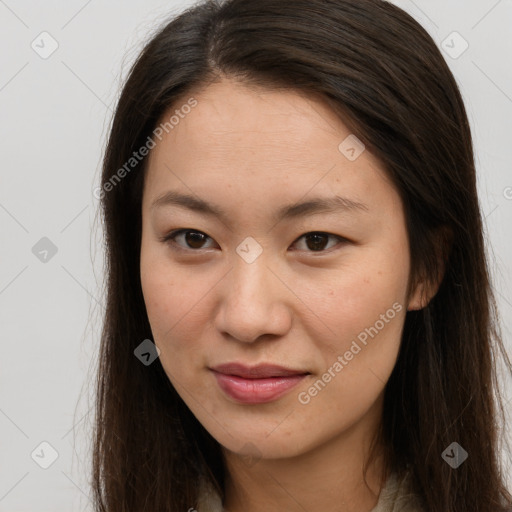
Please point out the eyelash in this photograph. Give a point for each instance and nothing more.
(169, 239)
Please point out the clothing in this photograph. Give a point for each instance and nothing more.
(395, 496)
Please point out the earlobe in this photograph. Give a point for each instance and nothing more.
(423, 295)
(419, 299)
(426, 288)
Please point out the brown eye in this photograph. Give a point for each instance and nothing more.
(191, 239)
(316, 241)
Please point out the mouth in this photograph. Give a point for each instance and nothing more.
(257, 384)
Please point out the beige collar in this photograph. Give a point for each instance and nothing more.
(395, 496)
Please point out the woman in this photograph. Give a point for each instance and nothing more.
(291, 217)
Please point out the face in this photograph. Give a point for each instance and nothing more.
(321, 291)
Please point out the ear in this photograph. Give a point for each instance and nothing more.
(428, 286)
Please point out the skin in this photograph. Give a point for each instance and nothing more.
(251, 151)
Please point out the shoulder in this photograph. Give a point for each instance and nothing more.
(397, 496)
(209, 499)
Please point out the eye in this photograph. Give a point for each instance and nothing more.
(192, 238)
(195, 240)
(316, 240)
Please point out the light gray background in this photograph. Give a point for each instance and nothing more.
(54, 117)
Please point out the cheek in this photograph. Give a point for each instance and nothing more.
(362, 308)
(164, 294)
(365, 311)
(177, 307)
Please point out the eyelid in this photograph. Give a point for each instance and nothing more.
(341, 241)
(169, 239)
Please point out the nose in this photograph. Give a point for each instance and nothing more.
(254, 302)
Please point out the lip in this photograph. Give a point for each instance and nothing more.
(259, 371)
(257, 384)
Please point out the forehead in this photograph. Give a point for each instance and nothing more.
(258, 142)
(233, 116)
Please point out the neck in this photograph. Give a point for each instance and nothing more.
(328, 477)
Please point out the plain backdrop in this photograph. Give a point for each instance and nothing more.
(55, 112)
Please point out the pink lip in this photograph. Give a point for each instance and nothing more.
(259, 384)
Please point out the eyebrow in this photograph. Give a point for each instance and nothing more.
(313, 206)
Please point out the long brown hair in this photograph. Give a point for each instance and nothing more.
(381, 71)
